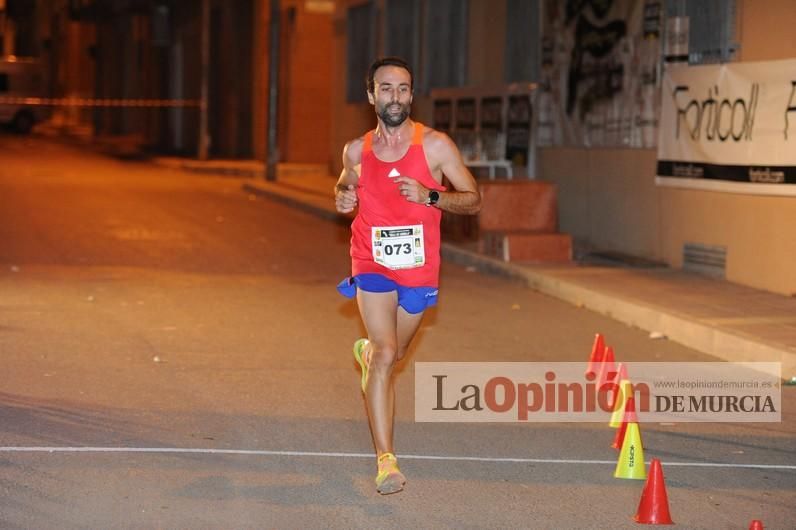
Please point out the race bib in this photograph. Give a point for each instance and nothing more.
(398, 247)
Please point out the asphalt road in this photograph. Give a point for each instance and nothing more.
(179, 346)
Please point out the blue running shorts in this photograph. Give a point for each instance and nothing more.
(413, 299)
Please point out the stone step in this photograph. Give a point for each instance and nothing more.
(515, 206)
(527, 247)
(289, 169)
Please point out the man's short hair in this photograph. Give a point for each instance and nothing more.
(388, 61)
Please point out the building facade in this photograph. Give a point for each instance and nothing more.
(607, 194)
(608, 198)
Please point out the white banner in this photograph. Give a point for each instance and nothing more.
(729, 125)
(567, 392)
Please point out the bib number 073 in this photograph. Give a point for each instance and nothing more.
(398, 247)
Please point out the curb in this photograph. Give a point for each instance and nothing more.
(682, 329)
(210, 168)
(299, 200)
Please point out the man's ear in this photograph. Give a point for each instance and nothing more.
(371, 98)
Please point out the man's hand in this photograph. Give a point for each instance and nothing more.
(412, 190)
(345, 198)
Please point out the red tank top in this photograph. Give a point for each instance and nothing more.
(381, 205)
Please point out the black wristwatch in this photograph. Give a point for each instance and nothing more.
(433, 197)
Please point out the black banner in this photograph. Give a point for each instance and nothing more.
(733, 173)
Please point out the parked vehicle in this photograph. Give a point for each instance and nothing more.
(21, 78)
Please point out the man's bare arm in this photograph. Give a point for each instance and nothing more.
(444, 159)
(345, 195)
(465, 198)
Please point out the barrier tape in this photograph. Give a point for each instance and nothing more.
(89, 102)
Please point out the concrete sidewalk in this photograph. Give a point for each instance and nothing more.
(728, 321)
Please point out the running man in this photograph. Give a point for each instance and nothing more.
(394, 175)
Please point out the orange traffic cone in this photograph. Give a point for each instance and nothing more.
(596, 357)
(621, 375)
(654, 505)
(631, 458)
(607, 371)
(630, 411)
(630, 417)
(756, 525)
(619, 437)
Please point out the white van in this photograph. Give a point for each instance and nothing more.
(20, 78)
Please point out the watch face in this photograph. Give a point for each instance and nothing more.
(433, 197)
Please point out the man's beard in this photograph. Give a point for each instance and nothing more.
(394, 120)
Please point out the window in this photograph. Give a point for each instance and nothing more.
(402, 22)
(445, 48)
(361, 52)
(522, 40)
(711, 28)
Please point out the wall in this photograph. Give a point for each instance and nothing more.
(305, 76)
(765, 29)
(229, 103)
(608, 199)
(758, 233)
(306, 98)
(76, 77)
(487, 40)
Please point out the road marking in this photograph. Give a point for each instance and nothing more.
(255, 452)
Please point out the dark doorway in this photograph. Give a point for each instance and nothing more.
(230, 83)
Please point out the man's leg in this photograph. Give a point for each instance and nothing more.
(390, 331)
(408, 324)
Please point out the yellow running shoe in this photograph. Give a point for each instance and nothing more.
(359, 350)
(390, 479)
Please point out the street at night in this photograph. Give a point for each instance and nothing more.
(179, 346)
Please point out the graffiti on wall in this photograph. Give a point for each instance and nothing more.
(600, 73)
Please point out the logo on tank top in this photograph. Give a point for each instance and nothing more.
(394, 173)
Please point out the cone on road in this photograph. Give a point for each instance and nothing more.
(654, 505)
(619, 437)
(596, 357)
(621, 375)
(630, 417)
(607, 371)
(631, 458)
(630, 411)
(756, 525)
(624, 393)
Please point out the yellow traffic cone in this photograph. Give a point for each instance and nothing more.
(625, 391)
(631, 459)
